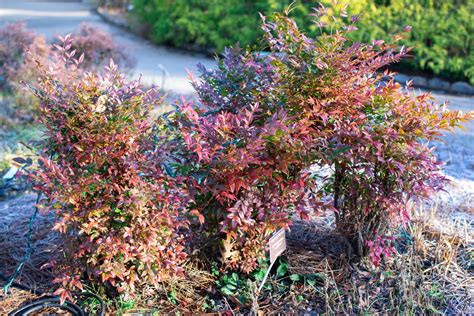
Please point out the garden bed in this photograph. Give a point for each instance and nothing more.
(432, 270)
(174, 213)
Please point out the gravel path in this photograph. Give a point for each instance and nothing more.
(458, 149)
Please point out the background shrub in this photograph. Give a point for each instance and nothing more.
(14, 38)
(16, 69)
(119, 214)
(442, 41)
(205, 24)
(27, 73)
(98, 48)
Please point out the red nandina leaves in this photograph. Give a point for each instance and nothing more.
(119, 213)
(263, 122)
(373, 134)
(312, 126)
(251, 153)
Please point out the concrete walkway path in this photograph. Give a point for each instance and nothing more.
(58, 18)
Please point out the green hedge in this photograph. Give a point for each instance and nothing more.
(442, 35)
(204, 24)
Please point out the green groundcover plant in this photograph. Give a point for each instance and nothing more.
(442, 42)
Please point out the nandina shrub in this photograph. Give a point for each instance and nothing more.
(26, 72)
(247, 157)
(15, 67)
(14, 37)
(372, 133)
(262, 125)
(99, 47)
(119, 214)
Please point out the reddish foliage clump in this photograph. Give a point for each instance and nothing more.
(263, 124)
(98, 48)
(251, 154)
(371, 132)
(119, 213)
(14, 38)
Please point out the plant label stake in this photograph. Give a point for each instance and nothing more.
(276, 246)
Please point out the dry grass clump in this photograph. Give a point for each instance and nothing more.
(177, 295)
(13, 300)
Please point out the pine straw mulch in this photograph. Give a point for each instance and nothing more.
(432, 271)
(15, 216)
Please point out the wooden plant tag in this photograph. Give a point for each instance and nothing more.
(277, 245)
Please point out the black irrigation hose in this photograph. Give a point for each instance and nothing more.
(53, 301)
(46, 302)
(42, 303)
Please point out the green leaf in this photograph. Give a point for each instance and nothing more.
(311, 282)
(282, 269)
(259, 275)
(231, 287)
(235, 276)
(336, 153)
(295, 277)
(227, 291)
